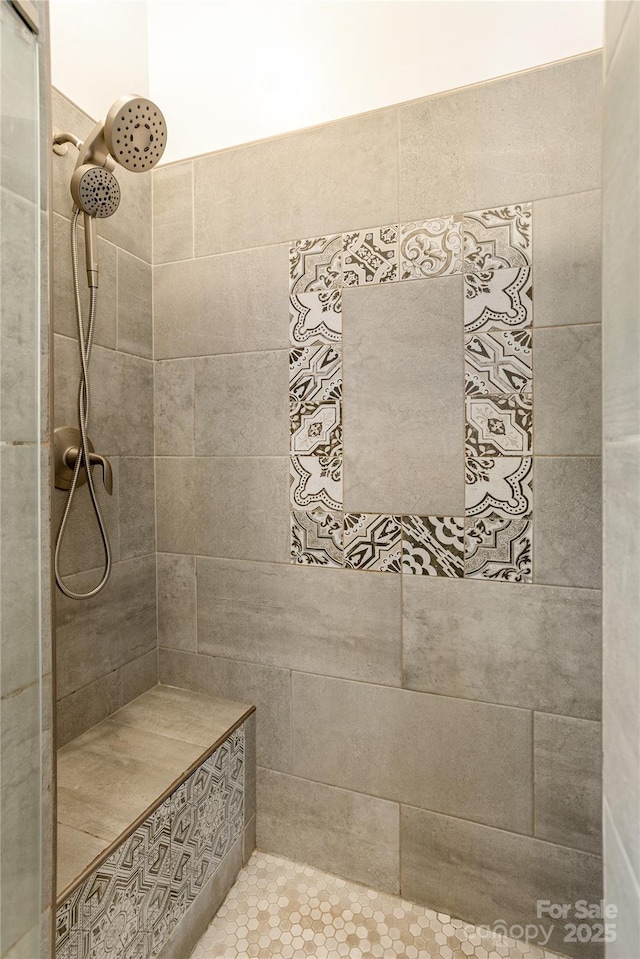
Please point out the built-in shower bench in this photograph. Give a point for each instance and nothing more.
(156, 813)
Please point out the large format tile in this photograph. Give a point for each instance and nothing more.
(176, 601)
(353, 835)
(487, 876)
(138, 675)
(130, 226)
(532, 646)
(174, 407)
(68, 118)
(568, 259)
(298, 185)
(550, 118)
(135, 307)
(235, 302)
(87, 706)
(568, 393)
(621, 707)
(224, 506)
(621, 236)
(136, 501)
(82, 547)
(331, 621)
(402, 398)
(567, 761)
(118, 625)
(241, 405)
(173, 212)
(466, 759)
(567, 520)
(269, 689)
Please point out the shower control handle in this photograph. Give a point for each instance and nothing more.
(95, 460)
(66, 442)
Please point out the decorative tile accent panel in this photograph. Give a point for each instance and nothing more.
(130, 904)
(431, 248)
(493, 249)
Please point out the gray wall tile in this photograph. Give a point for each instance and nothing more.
(621, 888)
(223, 506)
(567, 389)
(552, 150)
(116, 626)
(177, 602)
(484, 875)
(173, 212)
(87, 706)
(174, 402)
(241, 405)
(67, 118)
(466, 759)
(234, 303)
(302, 185)
(567, 243)
(82, 546)
(621, 709)
(136, 506)
(335, 829)
(567, 759)
(130, 226)
(621, 237)
(138, 675)
(64, 310)
(269, 689)
(135, 320)
(532, 646)
(332, 621)
(403, 375)
(567, 520)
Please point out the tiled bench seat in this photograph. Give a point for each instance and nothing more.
(156, 813)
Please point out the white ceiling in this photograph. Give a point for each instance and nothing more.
(226, 72)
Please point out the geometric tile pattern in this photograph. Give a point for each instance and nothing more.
(316, 537)
(128, 906)
(433, 545)
(498, 425)
(497, 239)
(431, 248)
(493, 540)
(280, 909)
(370, 256)
(373, 542)
(498, 300)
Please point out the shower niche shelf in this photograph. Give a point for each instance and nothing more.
(156, 815)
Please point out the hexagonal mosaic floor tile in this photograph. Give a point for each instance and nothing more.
(280, 909)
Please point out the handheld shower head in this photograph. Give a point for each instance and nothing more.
(95, 191)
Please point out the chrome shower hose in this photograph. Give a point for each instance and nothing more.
(82, 460)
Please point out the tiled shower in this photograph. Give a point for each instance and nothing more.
(354, 418)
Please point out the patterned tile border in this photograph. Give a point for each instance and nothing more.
(131, 903)
(493, 251)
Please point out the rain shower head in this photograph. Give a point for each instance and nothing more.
(95, 191)
(134, 134)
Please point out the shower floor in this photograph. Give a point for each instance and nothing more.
(280, 909)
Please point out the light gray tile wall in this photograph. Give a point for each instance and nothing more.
(106, 647)
(475, 658)
(621, 428)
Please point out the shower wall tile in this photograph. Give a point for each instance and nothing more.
(370, 256)
(475, 761)
(64, 310)
(241, 405)
(82, 546)
(499, 547)
(373, 542)
(567, 387)
(568, 520)
(497, 239)
(317, 537)
(568, 259)
(130, 227)
(433, 545)
(176, 577)
(552, 150)
(135, 321)
(112, 628)
(316, 483)
(233, 303)
(66, 118)
(87, 706)
(174, 407)
(315, 265)
(498, 425)
(404, 341)
(173, 212)
(503, 878)
(568, 781)
(498, 362)
(430, 248)
(267, 688)
(136, 506)
(354, 835)
(245, 195)
(138, 675)
(232, 506)
(498, 299)
(332, 621)
(537, 647)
